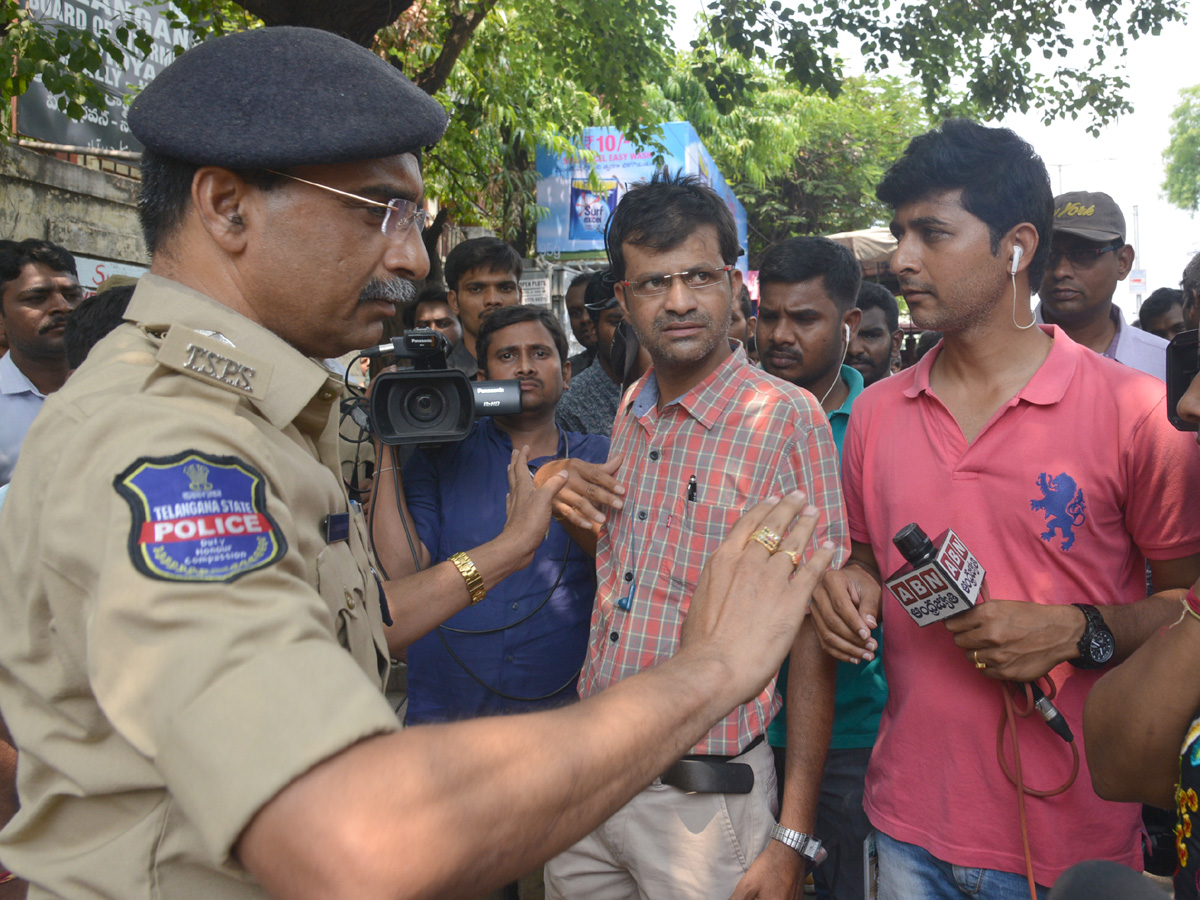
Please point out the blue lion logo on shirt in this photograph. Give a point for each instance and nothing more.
(1062, 505)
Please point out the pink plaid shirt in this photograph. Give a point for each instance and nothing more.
(743, 435)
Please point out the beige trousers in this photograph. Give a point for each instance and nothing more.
(669, 845)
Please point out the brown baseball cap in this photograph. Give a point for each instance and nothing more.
(1092, 215)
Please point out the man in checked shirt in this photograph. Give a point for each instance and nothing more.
(697, 440)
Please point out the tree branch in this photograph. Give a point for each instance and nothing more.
(434, 77)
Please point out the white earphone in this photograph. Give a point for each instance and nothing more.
(845, 350)
(1012, 272)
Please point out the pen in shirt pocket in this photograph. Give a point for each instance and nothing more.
(691, 489)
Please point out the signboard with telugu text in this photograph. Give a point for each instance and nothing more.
(38, 115)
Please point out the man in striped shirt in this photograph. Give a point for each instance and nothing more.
(700, 438)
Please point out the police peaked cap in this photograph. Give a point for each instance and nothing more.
(279, 97)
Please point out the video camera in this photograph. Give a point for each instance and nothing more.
(429, 403)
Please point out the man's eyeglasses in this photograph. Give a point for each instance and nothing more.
(1082, 258)
(698, 279)
(402, 216)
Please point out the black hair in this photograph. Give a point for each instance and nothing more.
(1003, 181)
(600, 288)
(927, 341)
(801, 259)
(1190, 283)
(431, 293)
(873, 295)
(92, 319)
(488, 253)
(16, 255)
(166, 194)
(515, 315)
(746, 303)
(1158, 303)
(662, 213)
(581, 278)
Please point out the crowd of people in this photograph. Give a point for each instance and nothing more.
(651, 648)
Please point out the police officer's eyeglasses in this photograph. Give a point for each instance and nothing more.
(698, 279)
(1082, 258)
(402, 216)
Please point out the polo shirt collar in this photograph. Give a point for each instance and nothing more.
(296, 380)
(13, 380)
(706, 401)
(1046, 387)
(854, 381)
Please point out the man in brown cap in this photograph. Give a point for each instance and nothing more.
(1088, 257)
(192, 650)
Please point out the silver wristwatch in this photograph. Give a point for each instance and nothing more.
(804, 844)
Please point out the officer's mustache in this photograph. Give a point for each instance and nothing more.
(391, 290)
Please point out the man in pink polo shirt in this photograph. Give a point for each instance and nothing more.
(1060, 471)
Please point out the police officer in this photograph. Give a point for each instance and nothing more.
(183, 575)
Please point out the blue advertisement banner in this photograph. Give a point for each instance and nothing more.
(581, 195)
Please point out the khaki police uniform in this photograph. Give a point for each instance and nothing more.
(181, 584)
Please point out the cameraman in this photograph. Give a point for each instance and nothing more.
(520, 647)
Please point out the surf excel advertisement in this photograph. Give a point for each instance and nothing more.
(580, 195)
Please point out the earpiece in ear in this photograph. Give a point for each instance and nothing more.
(1016, 260)
(235, 219)
(846, 329)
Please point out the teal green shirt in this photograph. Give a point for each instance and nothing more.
(862, 689)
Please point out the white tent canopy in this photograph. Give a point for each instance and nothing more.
(868, 245)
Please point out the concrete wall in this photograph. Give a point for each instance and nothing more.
(90, 212)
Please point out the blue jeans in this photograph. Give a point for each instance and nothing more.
(908, 872)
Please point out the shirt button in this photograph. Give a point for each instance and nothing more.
(613, 637)
(641, 515)
(629, 576)
(516, 605)
(327, 394)
(349, 600)
(654, 455)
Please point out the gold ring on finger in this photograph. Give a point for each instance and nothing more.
(978, 663)
(793, 556)
(767, 538)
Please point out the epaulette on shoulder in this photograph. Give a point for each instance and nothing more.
(211, 358)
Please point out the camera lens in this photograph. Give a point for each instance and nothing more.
(424, 406)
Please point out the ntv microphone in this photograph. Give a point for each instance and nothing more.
(940, 579)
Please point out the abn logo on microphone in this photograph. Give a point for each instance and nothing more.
(947, 585)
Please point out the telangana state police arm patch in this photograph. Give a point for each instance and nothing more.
(198, 517)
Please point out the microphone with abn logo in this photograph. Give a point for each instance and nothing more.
(941, 578)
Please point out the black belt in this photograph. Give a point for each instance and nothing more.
(712, 774)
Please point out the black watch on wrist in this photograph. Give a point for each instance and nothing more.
(1096, 647)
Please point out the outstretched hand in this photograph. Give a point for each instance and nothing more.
(749, 602)
(592, 489)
